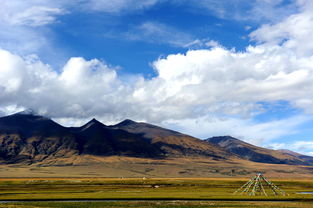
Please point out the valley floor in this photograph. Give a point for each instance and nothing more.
(92, 166)
(146, 192)
(148, 183)
(157, 204)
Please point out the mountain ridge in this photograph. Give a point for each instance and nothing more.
(254, 153)
(29, 138)
(298, 155)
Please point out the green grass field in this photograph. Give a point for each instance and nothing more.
(204, 192)
(154, 204)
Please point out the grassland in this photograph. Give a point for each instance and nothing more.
(118, 166)
(157, 204)
(171, 192)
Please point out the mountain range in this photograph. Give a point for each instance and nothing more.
(27, 138)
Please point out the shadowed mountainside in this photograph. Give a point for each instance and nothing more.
(26, 137)
(170, 142)
(29, 138)
(95, 138)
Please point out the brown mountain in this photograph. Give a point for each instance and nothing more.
(172, 143)
(29, 138)
(32, 145)
(253, 153)
(95, 138)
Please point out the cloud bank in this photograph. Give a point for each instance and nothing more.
(199, 85)
(199, 82)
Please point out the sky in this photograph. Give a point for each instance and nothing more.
(202, 67)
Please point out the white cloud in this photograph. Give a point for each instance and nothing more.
(270, 10)
(10, 109)
(24, 16)
(41, 12)
(190, 85)
(29, 13)
(24, 26)
(294, 33)
(154, 32)
(24, 23)
(276, 146)
(36, 16)
(301, 147)
(225, 81)
(309, 153)
(248, 130)
(203, 43)
(189, 88)
(212, 43)
(116, 6)
(245, 10)
(212, 81)
(83, 89)
(31, 41)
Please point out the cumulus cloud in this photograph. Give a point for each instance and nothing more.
(189, 88)
(82, 89)
(293, 33)
(229, 82)
(199, 82)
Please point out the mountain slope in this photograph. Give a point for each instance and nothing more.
(25, 137)
(97, 139)
(170, 142)
(253, 153)
(29, 138)
(29, 124)
(295, 154)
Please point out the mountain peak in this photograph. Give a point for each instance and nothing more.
(28, 114)
(92, 122)
(222, 138)
(29, 111)
(126, 122)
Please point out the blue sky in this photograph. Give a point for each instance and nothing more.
(212, 67)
